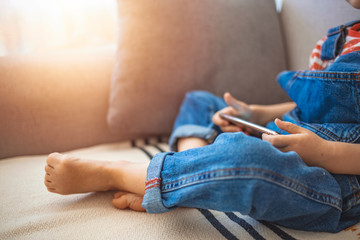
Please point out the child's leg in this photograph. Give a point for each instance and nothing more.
(193, 126)
(248, 175)
(236, 173)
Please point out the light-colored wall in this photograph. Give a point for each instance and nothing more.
(38, 26)
(304, 22)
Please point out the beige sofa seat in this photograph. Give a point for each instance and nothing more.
(28, 211)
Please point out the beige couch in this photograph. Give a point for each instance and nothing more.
(59, 102)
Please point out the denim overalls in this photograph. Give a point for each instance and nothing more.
(245, 174)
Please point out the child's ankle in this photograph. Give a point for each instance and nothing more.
(190, 142)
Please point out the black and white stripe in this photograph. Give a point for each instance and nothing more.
(148, 154)
(212, 218)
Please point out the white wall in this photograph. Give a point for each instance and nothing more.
(45, 25)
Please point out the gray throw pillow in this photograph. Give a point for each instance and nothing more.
(169, 47)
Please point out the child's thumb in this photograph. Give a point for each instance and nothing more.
(289, 127)
(230, 100)
(240, 107)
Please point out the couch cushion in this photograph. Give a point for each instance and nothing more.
(167, 48)
(307, 21)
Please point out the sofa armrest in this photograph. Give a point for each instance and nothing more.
(54, 102)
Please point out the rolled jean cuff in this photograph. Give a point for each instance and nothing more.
(206, 133)
(152, 201)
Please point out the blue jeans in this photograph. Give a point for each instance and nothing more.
(245, 174)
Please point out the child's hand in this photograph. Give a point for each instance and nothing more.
(236, 108)
(311, 148)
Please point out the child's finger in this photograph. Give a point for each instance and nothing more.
(289, 127)
(278, 141)
(231, 128)
(241, 108)
(231, 101)
(219, 120)
(230, 110)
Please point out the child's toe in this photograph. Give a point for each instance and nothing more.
(49, 169)
(128, 200)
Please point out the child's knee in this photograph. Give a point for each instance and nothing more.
(239, 143)
(199, 94)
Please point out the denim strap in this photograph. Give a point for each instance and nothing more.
(335, 41)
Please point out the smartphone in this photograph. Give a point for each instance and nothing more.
(244, 123)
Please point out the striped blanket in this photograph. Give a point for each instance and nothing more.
(28, 211)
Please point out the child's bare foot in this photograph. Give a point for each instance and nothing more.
(123, 200)
(68, 175)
